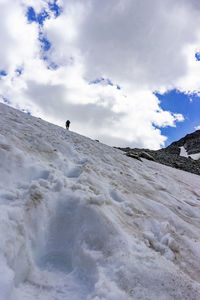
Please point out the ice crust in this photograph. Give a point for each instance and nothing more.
(81, 221)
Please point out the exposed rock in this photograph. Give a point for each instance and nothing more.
(178, 165)
(170, 155)
(147, 156)
(133, 155)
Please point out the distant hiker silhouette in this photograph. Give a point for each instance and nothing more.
(67, 124)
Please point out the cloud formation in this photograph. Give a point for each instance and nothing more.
(137, 47)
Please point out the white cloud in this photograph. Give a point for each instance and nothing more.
(139, 43)
(18, 39)
(197, 127)
(142, 46)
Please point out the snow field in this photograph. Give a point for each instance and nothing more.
(79, 220)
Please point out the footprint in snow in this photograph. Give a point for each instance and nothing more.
(83, 161)
(116, 196)
(74, 172)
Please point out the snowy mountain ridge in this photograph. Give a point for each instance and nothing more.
(80, 220)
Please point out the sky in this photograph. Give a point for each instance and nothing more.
(124, 72)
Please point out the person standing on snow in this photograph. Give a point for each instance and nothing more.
(67, 124)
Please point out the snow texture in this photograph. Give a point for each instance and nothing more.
(81, 221)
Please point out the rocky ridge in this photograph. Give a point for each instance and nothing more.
(170, 156)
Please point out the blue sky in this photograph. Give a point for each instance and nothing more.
(188, 105)
(40, 17)
(99, 65)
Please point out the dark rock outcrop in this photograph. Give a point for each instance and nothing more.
(191, 143)
(147, 156)
(170, 156)
(133, 155)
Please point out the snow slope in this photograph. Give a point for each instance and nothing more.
(80, 220)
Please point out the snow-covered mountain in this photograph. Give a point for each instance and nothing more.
(80, 220)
